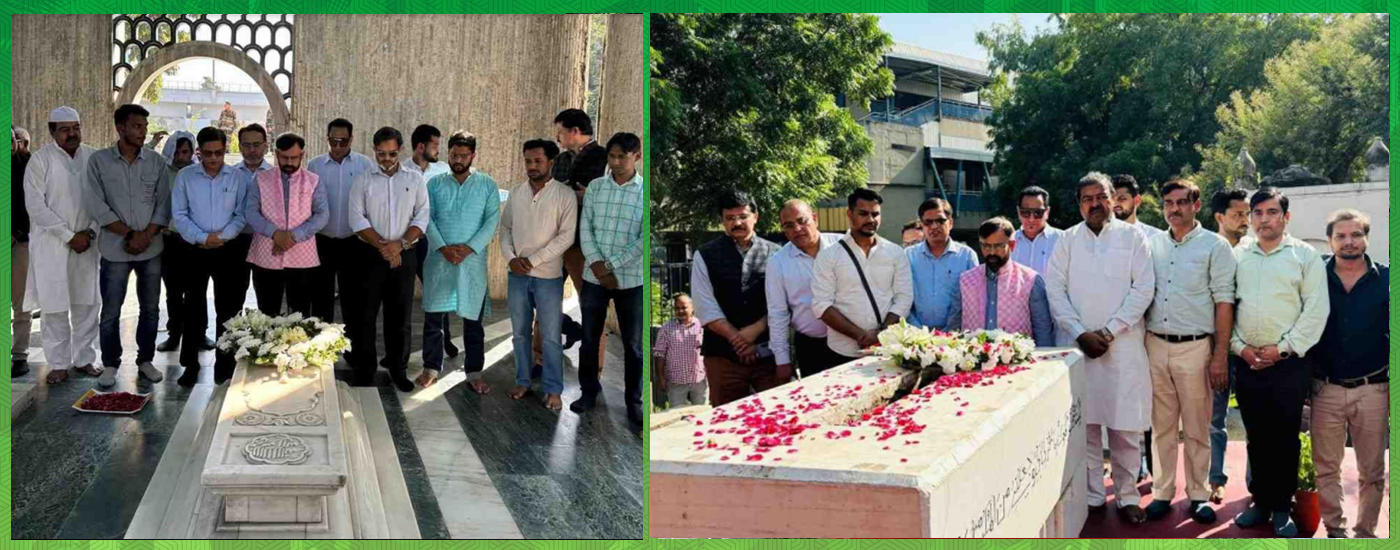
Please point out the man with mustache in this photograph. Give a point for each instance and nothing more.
(129, 190)
(1230, 207)
(727, 284)
(1036, 239)
(466, 208)
(937, 263)
(286, 208)
(1100, 283)
(1127, 198)
(1002, 294)
(581, 161)
(425, 140)
(337, 245)
(863, 283)
(1351, 377)
(63, 271)
(788, 290)
(21, 321)
(179, 153)
(1281, 315)
(1188, 352)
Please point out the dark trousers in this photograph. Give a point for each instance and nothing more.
(173, 265)
(391, 288)
(594, 303)
(420, 252)
(1271, 405)
(341, 267)
(813, 355)
(227, 268)
(272, 284)
(473, 342)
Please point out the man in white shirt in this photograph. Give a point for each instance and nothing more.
(1100, 282)
(1127, 199)
(389, 211)
(537, 227)
(789, 295)
(863, 283)
(1036, 240)
(426, 141)
(63, 263)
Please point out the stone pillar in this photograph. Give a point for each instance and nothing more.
(621, 109)
(62, 60)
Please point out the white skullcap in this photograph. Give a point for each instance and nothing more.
(63, 114)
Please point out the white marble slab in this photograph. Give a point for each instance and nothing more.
(21, 397)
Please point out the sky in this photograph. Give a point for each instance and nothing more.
(195, 70)
(954, 33)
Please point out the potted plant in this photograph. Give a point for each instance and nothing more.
(1307, 512)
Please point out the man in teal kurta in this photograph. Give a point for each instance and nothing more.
(466, 205)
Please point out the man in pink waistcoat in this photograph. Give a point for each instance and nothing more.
(285, 209)
(1000, 293)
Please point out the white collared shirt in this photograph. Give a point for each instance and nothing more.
(788, 289)
(389, 204)
(1035, 254)
(837, 284)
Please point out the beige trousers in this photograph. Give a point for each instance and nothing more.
(1181, 403)
(1365, 411)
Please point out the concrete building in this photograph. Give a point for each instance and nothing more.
(187, 105)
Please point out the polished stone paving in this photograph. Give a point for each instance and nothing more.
(80, 476)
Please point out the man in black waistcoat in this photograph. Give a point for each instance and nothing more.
(727, 284)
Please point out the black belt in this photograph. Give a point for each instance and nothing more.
(1353, 383)
(1180, 339)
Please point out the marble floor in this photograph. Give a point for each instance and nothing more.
(476, 466)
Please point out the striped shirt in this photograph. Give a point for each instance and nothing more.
(612, 229)
(679, 347)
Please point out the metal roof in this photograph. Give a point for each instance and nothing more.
(909, 62)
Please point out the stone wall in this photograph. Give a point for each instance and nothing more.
(621, 109)
(45, 50)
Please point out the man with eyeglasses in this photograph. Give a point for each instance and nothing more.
(1100, 283)
(1193, 310)
(389, 211)
(728, 284)
(1002, 294)
(912, 234)
(1036, 240)
(788, 290)
(208, 208)
(337, 244)
(1282, 313)
(937, 264)
(252, 144)
(286, 208)
(21, 321)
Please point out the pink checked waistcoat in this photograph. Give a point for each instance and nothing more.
(303, 254)
(1014, 285)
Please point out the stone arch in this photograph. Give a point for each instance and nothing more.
(164, 58)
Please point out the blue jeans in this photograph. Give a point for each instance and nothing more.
(1220, 410)
(114, 277)
(529, 299)
(628, 303)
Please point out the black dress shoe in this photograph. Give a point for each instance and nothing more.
(584, 404)
(189, 378)
(401, 381)
(634, 414)
(451, 350)
(208, 344)
(19, 368)
(170, 344)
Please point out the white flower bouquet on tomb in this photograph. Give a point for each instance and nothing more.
(289, 343)
(918, 348)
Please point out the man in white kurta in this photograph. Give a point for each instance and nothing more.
(1100, 282)
(62, 279)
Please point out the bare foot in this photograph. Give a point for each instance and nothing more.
(554, 402)
(57, 377)
(427, 379)
(90, 370)
(480, 386)
(518, 392)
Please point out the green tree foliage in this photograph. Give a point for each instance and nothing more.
(746, 102)
(1322, 103)
(1122, 93)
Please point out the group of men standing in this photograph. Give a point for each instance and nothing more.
(1168, 321)
(303, 232)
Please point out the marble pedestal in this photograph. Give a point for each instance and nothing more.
(21, 397)
(1004, 460)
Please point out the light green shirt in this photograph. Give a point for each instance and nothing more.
(611, 229)
(1282, 297)
(1192, 277)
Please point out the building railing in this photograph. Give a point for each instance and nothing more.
(928, 112)
(673, 277)
(194, 86)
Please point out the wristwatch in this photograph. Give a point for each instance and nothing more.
(608, 266)
(1106, 334)
(1285, 354)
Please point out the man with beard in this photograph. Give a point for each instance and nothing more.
(286, 208)
(1351, 381)
(21, 321)
(466, 210)
(537, 226)
(63, 233)
(208, 207)
(727, 286)
(789, 295)
(1127, 198)
(425, 140)
(1230, 207)
(1193, 310)
(252, 143)
(179, 153)
(936, 264)
(1002, 294)
(1100, 282)
(129, 190)
(863, 283)
(1282, 313)
(389, 210)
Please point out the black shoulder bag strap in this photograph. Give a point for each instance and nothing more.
(868, 294)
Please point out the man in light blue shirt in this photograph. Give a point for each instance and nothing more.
(1036, 239)
(336, 243)
(207, 206)
(937, 264)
